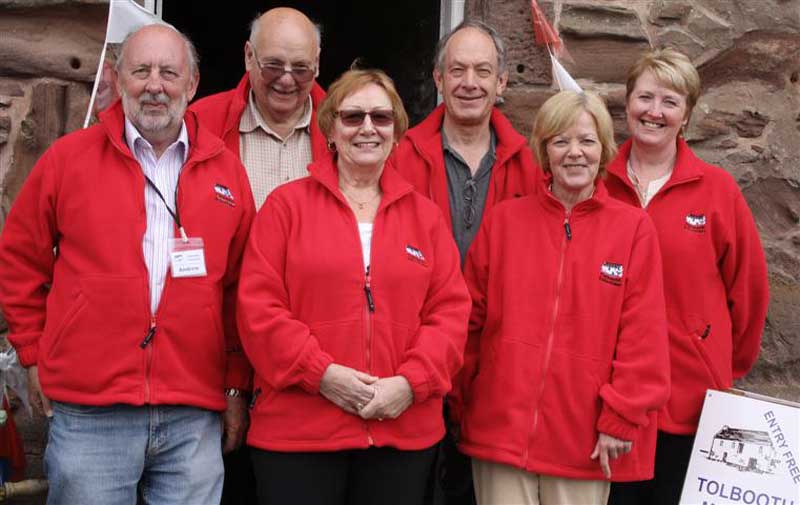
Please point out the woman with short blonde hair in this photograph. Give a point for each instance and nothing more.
(715, 275)
(567, 349)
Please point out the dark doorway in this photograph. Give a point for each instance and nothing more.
(397, 37)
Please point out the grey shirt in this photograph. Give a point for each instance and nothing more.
(467, 192)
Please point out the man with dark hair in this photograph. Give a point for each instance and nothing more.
(466, 156)
(118, 270)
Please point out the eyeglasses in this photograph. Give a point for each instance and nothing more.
(355, 117)
(470, 188)
(274, 70)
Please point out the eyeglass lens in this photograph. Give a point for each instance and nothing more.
(275, 69)
(356, 117)
(272, 71)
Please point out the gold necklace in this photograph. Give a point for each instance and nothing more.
(361, 205)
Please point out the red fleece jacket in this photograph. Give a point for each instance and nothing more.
(303, 306)
(567, 336)
(82, 314)
(715, 279)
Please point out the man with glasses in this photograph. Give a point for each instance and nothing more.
(466, 156)
(269, 119)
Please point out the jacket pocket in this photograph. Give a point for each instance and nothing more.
(569, 409)
(390, 346)
(699, 341)
(348, 342)
(73, 312)
(189, 345)
(500, 400)
(94, 347)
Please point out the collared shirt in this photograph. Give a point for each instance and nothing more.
(269, 159)
(164, 173)
(467, 192)
(647, 194)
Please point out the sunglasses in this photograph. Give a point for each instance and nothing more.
(274, 70)
(355, 117)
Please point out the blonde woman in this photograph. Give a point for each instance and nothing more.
(567, 350)
(715, 275)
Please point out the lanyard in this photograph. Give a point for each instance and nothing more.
(175, 214)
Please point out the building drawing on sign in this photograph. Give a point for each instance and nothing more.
(747, 450)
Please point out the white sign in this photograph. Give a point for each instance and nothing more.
(746, 452)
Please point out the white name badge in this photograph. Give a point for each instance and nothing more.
(187, 257)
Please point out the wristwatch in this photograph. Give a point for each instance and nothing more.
(233, 392)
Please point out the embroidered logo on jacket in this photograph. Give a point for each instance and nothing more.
(224, 195)
(696, 223)
(415, 254)
(611, 273)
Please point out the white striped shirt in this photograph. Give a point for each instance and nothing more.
(164, 173)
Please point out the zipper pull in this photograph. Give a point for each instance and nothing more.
(368, 293)
(567, 229)
(150, 333)
(706, 332)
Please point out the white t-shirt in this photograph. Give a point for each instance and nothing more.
(365, 232)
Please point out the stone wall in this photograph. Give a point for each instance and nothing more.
(748, 119)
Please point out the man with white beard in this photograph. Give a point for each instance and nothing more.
(118, 270)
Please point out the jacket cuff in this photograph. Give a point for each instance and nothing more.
(612, 424)
(416, 376)
(315, 369)
(239, 373)
(28, 355)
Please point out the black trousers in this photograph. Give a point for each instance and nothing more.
(451, 479)
(240, 482)
(374, 476)
(672, 462)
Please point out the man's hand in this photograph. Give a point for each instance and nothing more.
(608, 447)
(234, 423)
(393, 395)
(348, 388)
(37, 399)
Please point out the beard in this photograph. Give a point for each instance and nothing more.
(154, 121)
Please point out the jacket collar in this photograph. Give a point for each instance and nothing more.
(202, 144)
(688, 167)
(393, 185)
(426, 137)
(554, 206)
(239, 102)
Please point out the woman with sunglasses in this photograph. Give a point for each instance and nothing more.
(353, 312)
(567, 348)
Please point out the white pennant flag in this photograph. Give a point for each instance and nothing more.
(562, 77)
(124, 17)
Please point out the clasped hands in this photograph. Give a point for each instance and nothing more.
(365, 395)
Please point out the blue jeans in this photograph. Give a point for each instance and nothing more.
(120, 454)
